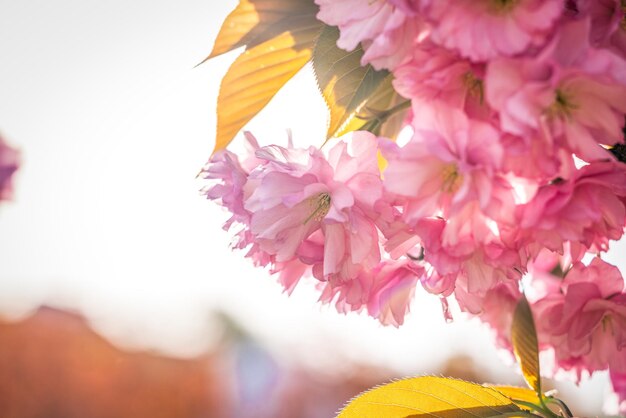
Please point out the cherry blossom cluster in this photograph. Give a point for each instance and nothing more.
(513, 177)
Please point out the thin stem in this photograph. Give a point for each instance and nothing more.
(545, 409)
(397, 108)
(562, 406)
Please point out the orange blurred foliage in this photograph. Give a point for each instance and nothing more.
(53, 365)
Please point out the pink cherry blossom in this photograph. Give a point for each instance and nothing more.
(507, 183)
(485, 29)
(450, 162)
(463, 265)
(298, 192)
(384, 30)
(434, 72)
(531, 158)
(608, 24)
(227, 175)
(386, 291)
(588, 208)
(585, 321)
(498, 307)
(571, 95)
(410, 7)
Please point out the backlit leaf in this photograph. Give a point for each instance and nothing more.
(525, 345)
(382, 113)
(395, 121)
(514, 393)
(256, 21)
(430, 396)
(344, 83)
(257, 75)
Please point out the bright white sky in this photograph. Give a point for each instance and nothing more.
(114, 123)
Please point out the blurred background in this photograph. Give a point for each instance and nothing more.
(119, 295)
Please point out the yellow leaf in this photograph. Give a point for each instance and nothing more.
(430, 396)
(525, 345)
(257, 75)
(519, 394)
(344, 83)
(256, 21)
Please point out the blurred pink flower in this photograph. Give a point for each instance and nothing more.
(484, 29)
(9, 163)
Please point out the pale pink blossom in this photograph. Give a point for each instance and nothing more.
(386, 291)
(226, 175)
(393, 291)
(451, 161)
(484, 29)
(384, 30)
(224, 166)
(298, 193)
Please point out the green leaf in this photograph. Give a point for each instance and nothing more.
(517, 394)
(395, 121)
(430, 396)
(344, 83)
(258, 74)
(382, 113)
(525, 345)
(256, 21)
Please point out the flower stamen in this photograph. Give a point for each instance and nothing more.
(607, 323)
(502, 5)
(562, 105)
(474, 85)
(451, 179)
(320, 205)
